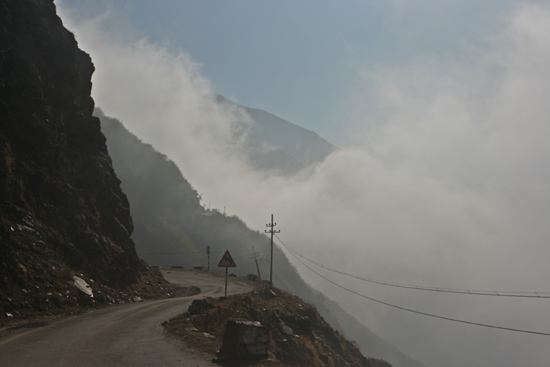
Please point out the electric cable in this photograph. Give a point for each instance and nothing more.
(433, 289)
(411, 310)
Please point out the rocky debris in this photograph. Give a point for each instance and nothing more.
(200, 306)
(253, 277)
(298, 335)
(244, 340)
(63, 213)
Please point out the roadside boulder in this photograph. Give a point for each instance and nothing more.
(254, 278)
(200, 306)
(244, 340)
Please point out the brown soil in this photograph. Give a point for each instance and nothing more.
(298, 335)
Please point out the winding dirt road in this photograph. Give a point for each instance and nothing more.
(127, 335)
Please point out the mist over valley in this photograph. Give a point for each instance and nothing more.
(439, 181)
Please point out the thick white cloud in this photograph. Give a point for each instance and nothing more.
(477, 128)
(447, 185)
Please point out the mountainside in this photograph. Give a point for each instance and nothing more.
(172, 228)
(63, 213)
(278, 145)
(297, 334)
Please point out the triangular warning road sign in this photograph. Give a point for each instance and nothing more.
(227, 261)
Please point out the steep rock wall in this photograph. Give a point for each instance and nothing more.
(62, 209)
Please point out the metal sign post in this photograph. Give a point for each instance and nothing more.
(226, 262)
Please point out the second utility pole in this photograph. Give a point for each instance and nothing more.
(272, 233)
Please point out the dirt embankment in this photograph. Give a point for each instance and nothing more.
(298, 335)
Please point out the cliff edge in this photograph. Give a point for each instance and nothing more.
(65, 223)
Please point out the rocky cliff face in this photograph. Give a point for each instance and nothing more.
(62, 210)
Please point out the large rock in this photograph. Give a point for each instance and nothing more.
(200, 306)
(244, 340)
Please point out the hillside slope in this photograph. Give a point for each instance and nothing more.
(172, 228)
(298, 335)
(278, 145)
(63, 213)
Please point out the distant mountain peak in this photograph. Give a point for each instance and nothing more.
(276, 144)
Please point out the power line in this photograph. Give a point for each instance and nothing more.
(433, 289)
(255, 257)
(408, 309)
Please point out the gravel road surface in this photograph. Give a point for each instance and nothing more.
(126, 335)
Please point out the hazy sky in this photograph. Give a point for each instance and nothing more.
(301, 60)
(440, 109)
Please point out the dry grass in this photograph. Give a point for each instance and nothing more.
(299, 336)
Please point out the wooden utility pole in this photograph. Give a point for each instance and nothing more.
(255, 256)
(272, 231)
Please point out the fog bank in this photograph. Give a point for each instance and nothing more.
(444, 181)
